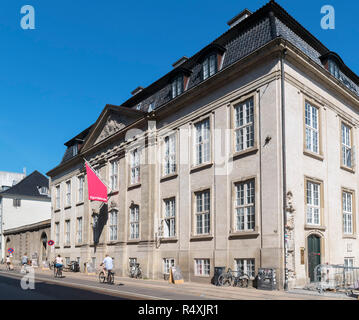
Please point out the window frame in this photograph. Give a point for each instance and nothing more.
(344, 166)
(58, 197)
(135, 166)
(134, 222)
(203, 267)
(195, 162)
(167, 264)
(79, 230)
(113, 226)
(172, 155)
(68, 193)
(202, 213)
(113, 174)
(245, 261)
(321, 203)
(57, 233)
(177, 86)
(246, 205)
(80, 191)
(67, 239)
(207, 62)
(316, 155)
(170, 218)
(351, 234)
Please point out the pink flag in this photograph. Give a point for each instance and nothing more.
(97, 190)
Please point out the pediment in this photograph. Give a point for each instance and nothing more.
(113, 124)
(112, 120)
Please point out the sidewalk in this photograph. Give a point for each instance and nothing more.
(203, 291)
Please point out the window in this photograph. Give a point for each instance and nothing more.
(67, 232)
(79, 230)
(202, 142)
(67, 261)
(81, 181)
(68, 193)
(203, 212)
(93, 261)
(349, 262)
(113, 175)
(246, 266)
(346, 146)
(57, 197)
(57, 233)
(244, 125)
(245, 206)
(170, 155)
(167, 264)
(113, 225)
(170, 218)
(333, 68)
(209, 66)
(177, 86)
(74, 150)
(311, 128)
(347, 212)
(151, 107)
(134, 222)
(43, 191)
(313, 203)
(202, 267)
(17, 203)
(135, 167)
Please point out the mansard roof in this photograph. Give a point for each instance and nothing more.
(29, 187)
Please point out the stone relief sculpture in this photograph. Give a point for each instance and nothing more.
(290, 212)
(114, 123)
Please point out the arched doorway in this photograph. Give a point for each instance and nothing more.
(43, 246)
(314, 254)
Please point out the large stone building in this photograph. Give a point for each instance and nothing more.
(26, 212)
(241, 156)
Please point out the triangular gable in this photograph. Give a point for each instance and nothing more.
(111, 120)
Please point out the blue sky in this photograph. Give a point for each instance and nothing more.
(55, 80)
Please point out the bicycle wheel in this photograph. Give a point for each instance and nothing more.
(101, 277)
(243, 282)
(225, 280)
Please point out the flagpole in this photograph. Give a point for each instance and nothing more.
(88, 163)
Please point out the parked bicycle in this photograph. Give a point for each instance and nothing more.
(135, 271)
(110, 279)
(233, 278)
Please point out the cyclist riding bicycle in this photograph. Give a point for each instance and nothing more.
(8, 263)
(107, 264)
(59, 262)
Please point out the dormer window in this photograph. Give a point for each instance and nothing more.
(209, 66)
(151, 107)
(177, 86)
(43, 191)
(138, 106)
(333, 68)
(74, 150)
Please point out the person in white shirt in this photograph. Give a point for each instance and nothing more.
(107, 264)
(59, 262)
(8, 263)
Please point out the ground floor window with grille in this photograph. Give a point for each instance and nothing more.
(67, 260)
(347, 212)
(246, 266)
(202, 267)
(113, 225)
(167, 264)
(313, 202)
(169, 218)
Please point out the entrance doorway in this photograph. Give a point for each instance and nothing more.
(314, 254)
(44, 246)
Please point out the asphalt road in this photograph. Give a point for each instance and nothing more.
(10, 289)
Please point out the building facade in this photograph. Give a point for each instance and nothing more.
(7, 180)
(26, 209)
(242, 156)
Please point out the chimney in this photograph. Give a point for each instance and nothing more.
(137, 90)
(179, 62)
(239, 17)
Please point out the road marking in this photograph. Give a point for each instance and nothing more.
(71, 284)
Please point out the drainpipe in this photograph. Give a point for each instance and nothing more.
(284, 164)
